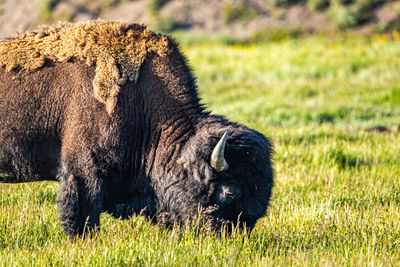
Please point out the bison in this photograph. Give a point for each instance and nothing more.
(111, 111)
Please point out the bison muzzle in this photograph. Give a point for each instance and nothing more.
(111, 111)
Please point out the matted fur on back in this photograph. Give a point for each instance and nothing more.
(106, 45)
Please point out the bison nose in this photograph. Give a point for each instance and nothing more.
(230, 191)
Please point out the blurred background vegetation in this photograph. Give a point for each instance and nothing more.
(246, 20)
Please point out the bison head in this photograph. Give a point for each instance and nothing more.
(224, 173)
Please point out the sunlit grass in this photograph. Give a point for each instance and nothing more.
(337, 194)
(301, 82)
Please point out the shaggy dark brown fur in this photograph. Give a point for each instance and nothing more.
(150, 155)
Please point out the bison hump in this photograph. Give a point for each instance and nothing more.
(117, 50)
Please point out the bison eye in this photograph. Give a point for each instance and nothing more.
(227, 193)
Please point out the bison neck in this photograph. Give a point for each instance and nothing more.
(164, 108)
(148, 148)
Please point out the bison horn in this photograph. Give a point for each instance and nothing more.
(218, 161)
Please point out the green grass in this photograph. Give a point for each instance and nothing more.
(337, 194)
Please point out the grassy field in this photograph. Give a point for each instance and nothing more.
(337, 194)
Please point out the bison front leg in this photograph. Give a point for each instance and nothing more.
(80, 205)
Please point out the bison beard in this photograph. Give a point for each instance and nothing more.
(149, 153)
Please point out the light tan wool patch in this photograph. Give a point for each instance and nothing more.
(105, 44)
